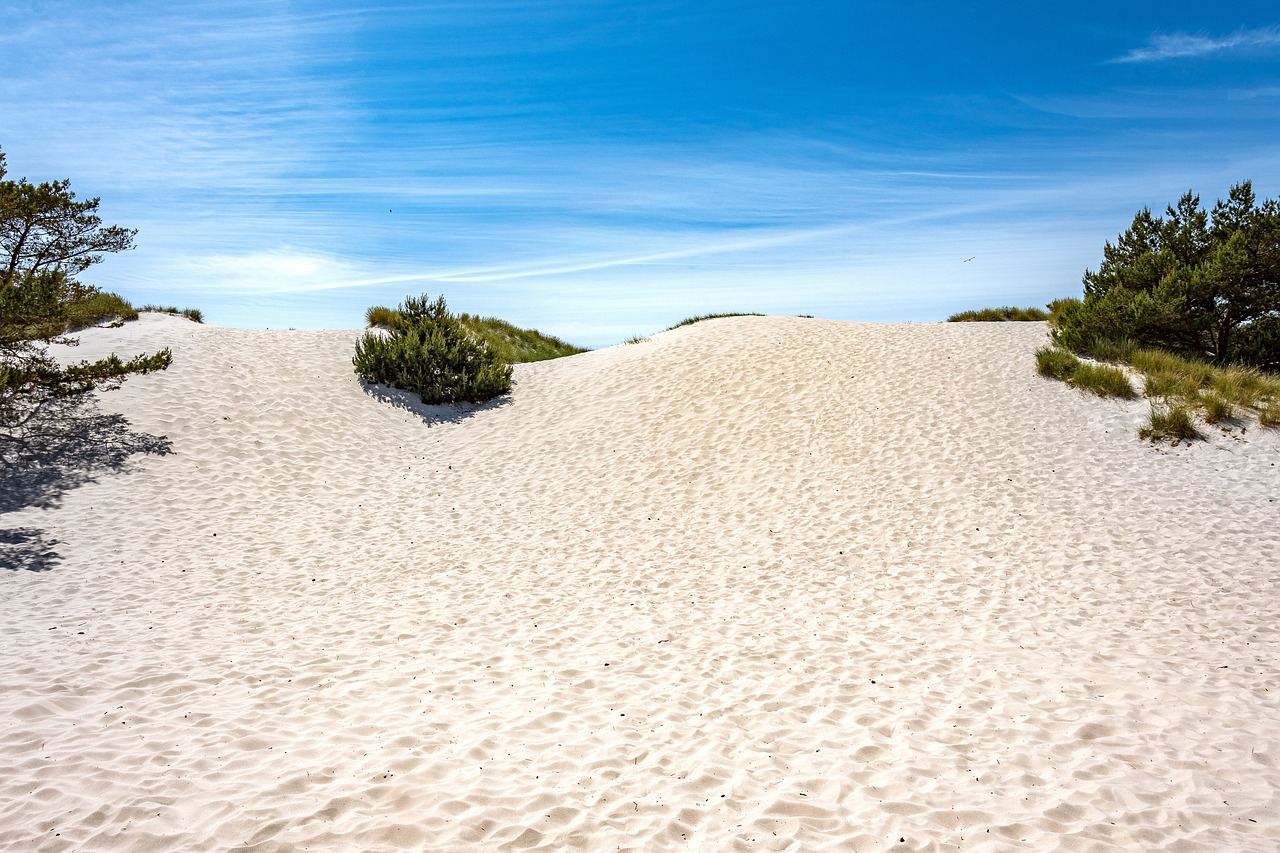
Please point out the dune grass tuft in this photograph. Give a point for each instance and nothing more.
(515, 345)
(379, 317)
(1056, 363)
(1003, 314)
(689, 321)
(1216, 408)
(195, 315)
(1269, 417)
(1104, 380)
(1171, 421)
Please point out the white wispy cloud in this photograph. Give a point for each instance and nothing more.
(1165, 46)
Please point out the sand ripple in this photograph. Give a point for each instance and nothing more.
(754, 584)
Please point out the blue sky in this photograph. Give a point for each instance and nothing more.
(604, 169)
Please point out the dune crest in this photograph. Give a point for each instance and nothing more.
(752, 584)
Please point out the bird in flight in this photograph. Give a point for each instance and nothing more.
(966, 260)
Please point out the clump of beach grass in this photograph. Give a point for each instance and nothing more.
(1216, 408)
(1005, 313)
(1170, 421)
(1105, 380)
(195, 315)
(1056, 363)
(379, 317)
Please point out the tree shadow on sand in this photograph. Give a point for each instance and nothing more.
(431, 415)
(68, 444)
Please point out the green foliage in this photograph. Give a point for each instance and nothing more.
(1244, 386)
(1172, 421)
(1216, 408)
(43, 227)
(1056, 363)
(379, 317)
(1002, 314)
(688, 321)
(195, 315)
(96, 308)
(1269, 417)
(515, 345)
(33, 311)
(46, 238)
(431, 352)
(1194, 282)
(1103, 380)
(510, 343)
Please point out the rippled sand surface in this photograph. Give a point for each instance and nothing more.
(753, 584)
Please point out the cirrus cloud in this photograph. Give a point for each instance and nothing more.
(1164, 46)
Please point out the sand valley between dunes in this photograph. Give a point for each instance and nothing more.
(752, 584)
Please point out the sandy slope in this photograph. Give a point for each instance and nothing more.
(754, 584)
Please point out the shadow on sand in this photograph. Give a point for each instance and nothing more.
(67, 445)
(431, 415)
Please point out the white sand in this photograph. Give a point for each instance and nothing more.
(754, 584)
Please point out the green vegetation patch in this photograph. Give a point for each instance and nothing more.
(434, 354)
(689, 321)
(1056, 363)
(511, 343)
(515, 345)
(1105, 380)
(97, 307)
(195, 315)
(1170, 422)
(1005, 313)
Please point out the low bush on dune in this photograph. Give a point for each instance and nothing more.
(511, 343)
(1003, 314)
(430, 352)
(195, 315)
(98, 307)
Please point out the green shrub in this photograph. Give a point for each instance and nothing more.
(1056, 363)
(1003, 314)
(1103, 380)
(1171, 421)
(379, 316)
(1115, 350)
(96, 307)
(429, 351)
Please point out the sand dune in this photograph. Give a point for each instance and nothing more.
(753, 584)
